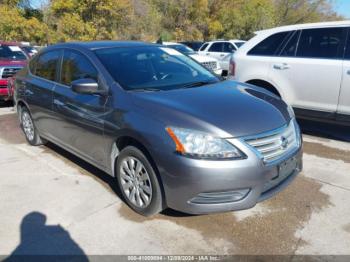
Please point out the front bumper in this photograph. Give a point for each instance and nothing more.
(187, 180)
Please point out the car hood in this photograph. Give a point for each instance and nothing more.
(226, 109)
(8, 62)
(202, 58)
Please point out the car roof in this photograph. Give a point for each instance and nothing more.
(305, 26)
(171, 43)
(93, 45)
(7, 43)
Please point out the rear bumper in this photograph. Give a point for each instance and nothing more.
(198, 186)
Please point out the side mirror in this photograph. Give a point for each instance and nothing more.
(87, 86)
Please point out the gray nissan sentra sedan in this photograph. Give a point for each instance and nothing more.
(171, 132)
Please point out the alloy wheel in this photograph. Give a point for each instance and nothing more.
(28, 126)
(135, 182)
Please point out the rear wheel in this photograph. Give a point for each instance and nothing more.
(138, 182)
(29, 129)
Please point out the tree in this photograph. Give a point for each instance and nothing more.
(303, 11)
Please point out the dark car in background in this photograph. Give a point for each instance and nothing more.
(195, 45)
(170, 131)
(12, 59)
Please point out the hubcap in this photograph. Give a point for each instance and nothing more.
(135, 182)
(28, 126)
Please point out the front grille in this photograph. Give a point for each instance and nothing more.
(210, 65)
(9, 72)
(276, 144)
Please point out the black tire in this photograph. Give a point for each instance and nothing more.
(156, 200)
(34, 139)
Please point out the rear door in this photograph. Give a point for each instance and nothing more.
(80, 117)
(37, 89)
(344, 97)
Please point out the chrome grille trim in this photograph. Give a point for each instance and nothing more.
(274, 145)
(210, 65)
(6, 72)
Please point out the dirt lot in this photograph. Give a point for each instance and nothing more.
(52, 202)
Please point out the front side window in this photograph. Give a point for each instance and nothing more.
(76, 66)
(270, 45)
(153, 67)
(11, 53)
(347, 50)
(322, 43)
(45, 65)
(216, 47)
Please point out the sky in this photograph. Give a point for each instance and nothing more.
(341, 6)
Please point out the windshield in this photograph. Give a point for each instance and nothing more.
(30, 49)
(153, 68)
(239, 44)
(11, 53)
(183, 49)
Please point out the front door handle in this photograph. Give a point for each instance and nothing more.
(283, 66)
(348, 72)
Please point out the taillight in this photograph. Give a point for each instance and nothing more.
(232, 68)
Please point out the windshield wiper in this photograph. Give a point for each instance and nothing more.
(151, 89)
(197, 84)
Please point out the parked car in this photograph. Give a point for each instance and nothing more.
(195, 45)
(210, 63)
(221, 50)
(29, 50)
(12, 59)
(171, 132)
(307, 65)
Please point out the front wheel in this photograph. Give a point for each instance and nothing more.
(138, 182)
(29, 129)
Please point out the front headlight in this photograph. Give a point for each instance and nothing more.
(202, 145)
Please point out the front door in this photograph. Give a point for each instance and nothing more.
(80, 117)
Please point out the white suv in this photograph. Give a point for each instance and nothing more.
(221, 50)
(307, 65)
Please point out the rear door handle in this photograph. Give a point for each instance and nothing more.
(348, 72)
(281, 66)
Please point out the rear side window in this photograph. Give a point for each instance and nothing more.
(45, 65)
(216, 47)
(291, 46)
(322, 43)
(76, 66)
(270, 45)
(203, 47)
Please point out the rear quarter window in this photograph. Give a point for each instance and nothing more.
(45, 66)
